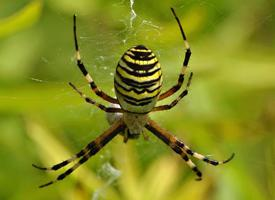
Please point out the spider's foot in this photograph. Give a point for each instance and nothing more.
(198, 179)
(75, 88)
(38, 167)
(46, 184)
(198, 173)
(230, 158)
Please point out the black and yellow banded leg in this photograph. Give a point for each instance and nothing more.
(200, 156)
(100, 106)
(187, 56)
(175, 102)
(91, 149)
(64, 163)
(155, 129)
(190, 163)
(88, 77)
(179, 147)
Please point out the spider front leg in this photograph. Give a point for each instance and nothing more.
(180, 148)
(91, 101)
(91, 149)
(175, 102)
(176, 87)
(88, 77)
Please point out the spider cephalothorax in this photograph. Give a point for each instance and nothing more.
(137, 83)
(135, 123)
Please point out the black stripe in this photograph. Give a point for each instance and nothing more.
(136, 73)
(135, 66)
(141, 53)
(138, 56)
(137, 100)
(177, 149)
(135, 90)
(82, 152)
(212, 162)
(195, 169)
(185, 157)
(92, 85)
(181, 79)
(179, 143)
(62, 164)
(187, 57)
(136, 84)
(90, 145)
(66, 173)
(137, 104)
(82, 68)
(140, 47)
(190, 152)
(44, 185)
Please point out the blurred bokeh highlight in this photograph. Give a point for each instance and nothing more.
(230, 107)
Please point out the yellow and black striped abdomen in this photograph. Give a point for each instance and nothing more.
(138, 80)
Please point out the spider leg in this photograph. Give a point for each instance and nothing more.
(91, 149)
(88, 77)
(179, 147)
(187, 56)
(159, 132)
(190, 163)
(91, 101)
(175, 102)
(64, 163)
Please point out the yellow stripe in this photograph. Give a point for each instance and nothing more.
(151, 55)
(187, 46)
(139, 79)
(190, 163)
(183, 70)
(198, 156)
(123, 64)
(78, 57)
(130, 52)
(140, 50)
(120, 82)
(137, 96)
(89, 78)
(140, 62)
(157, 66)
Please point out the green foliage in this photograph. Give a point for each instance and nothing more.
(230, 107)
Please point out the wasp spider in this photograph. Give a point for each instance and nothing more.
(137, 82)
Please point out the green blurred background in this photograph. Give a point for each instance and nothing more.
(230, 108)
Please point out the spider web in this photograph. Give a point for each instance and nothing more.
(108, 51)
(101, 62)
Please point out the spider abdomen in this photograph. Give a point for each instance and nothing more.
(138, 80)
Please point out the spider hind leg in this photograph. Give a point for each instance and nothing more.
(180, 148)
(91, 149)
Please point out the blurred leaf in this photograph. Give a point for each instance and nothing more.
(70, 7)
(160, 179)
(22, 19)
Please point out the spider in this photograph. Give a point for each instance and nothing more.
(137, 83)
